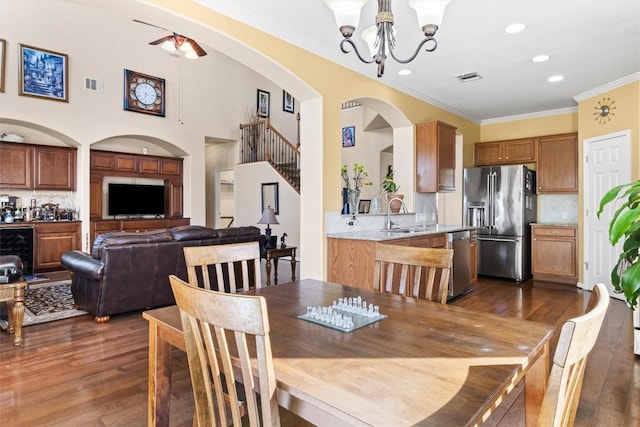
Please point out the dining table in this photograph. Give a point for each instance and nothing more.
(424, 364)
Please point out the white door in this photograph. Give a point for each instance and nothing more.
(607, 164)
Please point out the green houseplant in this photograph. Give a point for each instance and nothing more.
(625, 225)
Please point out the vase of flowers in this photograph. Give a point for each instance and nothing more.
(390, 189)
(353, 191)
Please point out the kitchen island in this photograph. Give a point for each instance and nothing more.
(351, 255)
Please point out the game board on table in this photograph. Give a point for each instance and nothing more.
(346, 314)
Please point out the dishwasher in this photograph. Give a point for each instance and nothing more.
(460, 277)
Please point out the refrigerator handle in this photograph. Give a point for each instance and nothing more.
(488, 213)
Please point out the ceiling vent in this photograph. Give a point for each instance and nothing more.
(93, 85)
(468, 77)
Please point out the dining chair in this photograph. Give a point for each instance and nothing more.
(236, 266)
(577, 338)
(411, 261)
(209, 320)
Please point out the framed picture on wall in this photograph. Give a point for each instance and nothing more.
(263, 103)
(3, 58)
(270, 197)
(349, 136)
(43, 73)
(287, 102)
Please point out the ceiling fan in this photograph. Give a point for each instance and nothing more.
(177, 42)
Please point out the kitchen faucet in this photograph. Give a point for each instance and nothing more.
(390, 223)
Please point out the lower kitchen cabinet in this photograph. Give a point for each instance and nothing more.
(52, 239)
(473, 260)
(554, 253)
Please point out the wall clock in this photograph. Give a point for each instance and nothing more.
(143, 93)
(604, 111)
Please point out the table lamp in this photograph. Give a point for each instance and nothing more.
(268, 217)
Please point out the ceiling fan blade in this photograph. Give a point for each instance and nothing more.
(162, 40)
(196, 48)
(151, 25)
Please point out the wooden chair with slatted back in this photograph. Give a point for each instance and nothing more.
(577, 338)
(240, 260)
(206, 317)
(412, 261)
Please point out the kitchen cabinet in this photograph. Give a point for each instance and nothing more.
(37, 167)
(504, 152)
(554, 253)
(52, 239)
(473, 260)
(435, 157)
(557, 168)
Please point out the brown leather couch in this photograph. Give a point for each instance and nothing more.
(130, 271)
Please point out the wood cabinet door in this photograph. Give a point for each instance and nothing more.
(102, 161)
(557, 170)
(149, 165)
(125, 163)
(175, 200)
(554, 254)
(171, 167)
(95, 197)
(519, 151)
(435, 157)
(16, 166)
(55, 168)
(473, 260)
(487, 153)
(53, 240)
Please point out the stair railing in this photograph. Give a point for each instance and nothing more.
(262, 142)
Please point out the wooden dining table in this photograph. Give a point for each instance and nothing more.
(425, 364)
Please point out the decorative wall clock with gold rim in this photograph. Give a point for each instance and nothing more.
(143, 93)
(604, 111)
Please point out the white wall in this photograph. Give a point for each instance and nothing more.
(248, 202)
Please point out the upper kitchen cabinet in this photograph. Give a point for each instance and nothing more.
(558, 164)
(33, 167)
(505, 152)
(435, 157)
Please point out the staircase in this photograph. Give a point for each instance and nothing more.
(261, 142)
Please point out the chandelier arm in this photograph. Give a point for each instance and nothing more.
(422, 43)
(355, 49)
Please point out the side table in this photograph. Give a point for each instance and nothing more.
(274, 254)
(13, 295)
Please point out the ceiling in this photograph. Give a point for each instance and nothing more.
(592, 43)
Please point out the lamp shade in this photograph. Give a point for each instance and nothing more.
(429, 11)
(268, 217)
(346, 12)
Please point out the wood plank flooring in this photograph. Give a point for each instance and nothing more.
(75, 372)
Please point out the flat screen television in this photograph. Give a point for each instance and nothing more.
(135, 199)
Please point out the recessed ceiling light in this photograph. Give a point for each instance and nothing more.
(405, 72)
(554, 79)
(514, 28)
(540, 58)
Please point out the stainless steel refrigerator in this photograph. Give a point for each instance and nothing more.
(501, 202)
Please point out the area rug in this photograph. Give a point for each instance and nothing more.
(46, 302)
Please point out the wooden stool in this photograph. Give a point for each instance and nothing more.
(13, 295)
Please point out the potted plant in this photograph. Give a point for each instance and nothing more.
(353, 193)
(625, 226)
(390, 188)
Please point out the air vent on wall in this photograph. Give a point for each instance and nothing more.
(93, 85)
(468, 77)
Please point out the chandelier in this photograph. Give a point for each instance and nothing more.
(381, 37)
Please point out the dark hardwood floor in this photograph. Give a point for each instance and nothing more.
(75, 372)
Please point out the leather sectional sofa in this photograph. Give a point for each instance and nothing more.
(130, 271)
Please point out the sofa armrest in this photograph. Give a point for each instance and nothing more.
(82, 264)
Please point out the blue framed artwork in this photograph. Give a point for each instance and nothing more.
(43, 74)
(349, 136)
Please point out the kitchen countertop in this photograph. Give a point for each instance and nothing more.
(383, 235)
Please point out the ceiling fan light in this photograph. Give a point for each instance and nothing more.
(186, 46)
(346, 12)
(191, 55)
(429, 12)
(169, 45)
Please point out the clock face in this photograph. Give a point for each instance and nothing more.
(604, 111)
(143, 93)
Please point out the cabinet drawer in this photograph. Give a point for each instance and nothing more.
(554, 231)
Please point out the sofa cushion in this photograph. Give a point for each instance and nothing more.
(193, 232)
(125, 238)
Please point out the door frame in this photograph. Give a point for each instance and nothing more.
(626, 134)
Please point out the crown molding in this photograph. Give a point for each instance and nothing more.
(539, 114)
(607, 87)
